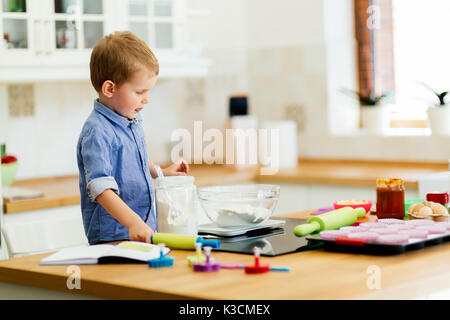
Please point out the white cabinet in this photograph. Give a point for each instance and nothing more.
(43, 230)
(52, 39)
(51, 33)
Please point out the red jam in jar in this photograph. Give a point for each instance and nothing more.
(390, 199)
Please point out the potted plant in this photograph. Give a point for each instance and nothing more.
(375, 115)
(439, 113)
(9, 166)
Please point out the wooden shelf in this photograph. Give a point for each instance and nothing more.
(58, 192)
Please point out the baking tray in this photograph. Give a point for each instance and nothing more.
(372, 247)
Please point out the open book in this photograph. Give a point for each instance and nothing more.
(125, 252)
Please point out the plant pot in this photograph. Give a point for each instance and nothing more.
(439, 120)
(9, 171)
(375, 119)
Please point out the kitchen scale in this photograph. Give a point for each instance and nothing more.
(274, 237)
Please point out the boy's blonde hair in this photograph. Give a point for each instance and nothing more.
(117, 56)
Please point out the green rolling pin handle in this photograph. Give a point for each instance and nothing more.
(304, 229)
(313, 226)
(360, 212)
(181, 241)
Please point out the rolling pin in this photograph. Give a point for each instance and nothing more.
(182, 241)
(331, 220)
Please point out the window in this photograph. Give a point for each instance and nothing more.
(373, 31)
(422, 55)
(402, 50)
(155, 22)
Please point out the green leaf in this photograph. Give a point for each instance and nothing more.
(442, 97)
(3, 149)
(367, 100)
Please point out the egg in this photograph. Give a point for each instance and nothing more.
(438, 209)
(415, 207)
(424, 212)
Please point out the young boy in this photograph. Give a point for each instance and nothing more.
(117, 198)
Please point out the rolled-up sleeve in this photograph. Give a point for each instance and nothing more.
(96, 149)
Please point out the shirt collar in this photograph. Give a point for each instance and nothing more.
(116, 118)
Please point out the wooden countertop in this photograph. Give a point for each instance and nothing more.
(315, 274)
(354, 173)
(60, 191)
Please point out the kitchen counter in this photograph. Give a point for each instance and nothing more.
(61, 191)
(315, 274)
(354, 173)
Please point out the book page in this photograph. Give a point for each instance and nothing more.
(136, 250)
(78, 254)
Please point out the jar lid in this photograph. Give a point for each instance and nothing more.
(389, 183)
(174, 181)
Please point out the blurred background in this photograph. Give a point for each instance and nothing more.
(293, 59)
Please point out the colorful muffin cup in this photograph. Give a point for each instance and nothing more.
(352, 229)
(434, 229)
(399, 227)
(370, 225)
(420, 222)
(333, 234)
(415, 233)
(368, 236)
(393, 238)
(382, 231)
(444, 224)
(390, 221)
(366, 204)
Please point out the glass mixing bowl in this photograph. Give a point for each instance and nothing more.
(239, 205)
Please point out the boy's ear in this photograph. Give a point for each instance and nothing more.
(108, 88)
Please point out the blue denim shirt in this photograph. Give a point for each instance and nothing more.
(112, 154)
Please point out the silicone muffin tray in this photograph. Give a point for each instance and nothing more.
(385, 237)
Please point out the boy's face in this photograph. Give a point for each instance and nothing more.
(129, 99)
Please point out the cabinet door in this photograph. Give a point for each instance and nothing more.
(160, 23)
(73, 27)
(21, 29)
(293, 198)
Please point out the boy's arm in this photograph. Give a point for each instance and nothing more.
(153, 172)
(179, 168)
(115, 206)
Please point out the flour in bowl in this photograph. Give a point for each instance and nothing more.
(241, 214)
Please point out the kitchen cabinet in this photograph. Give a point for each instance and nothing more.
(53, 39)
(65, 220)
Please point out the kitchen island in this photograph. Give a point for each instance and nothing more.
(315, 274)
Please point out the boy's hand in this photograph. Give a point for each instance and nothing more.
(140, 231)
(179, 168)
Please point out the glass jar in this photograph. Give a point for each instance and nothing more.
(176, 203)
(390, 199)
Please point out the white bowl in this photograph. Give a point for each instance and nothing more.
(241, 205)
